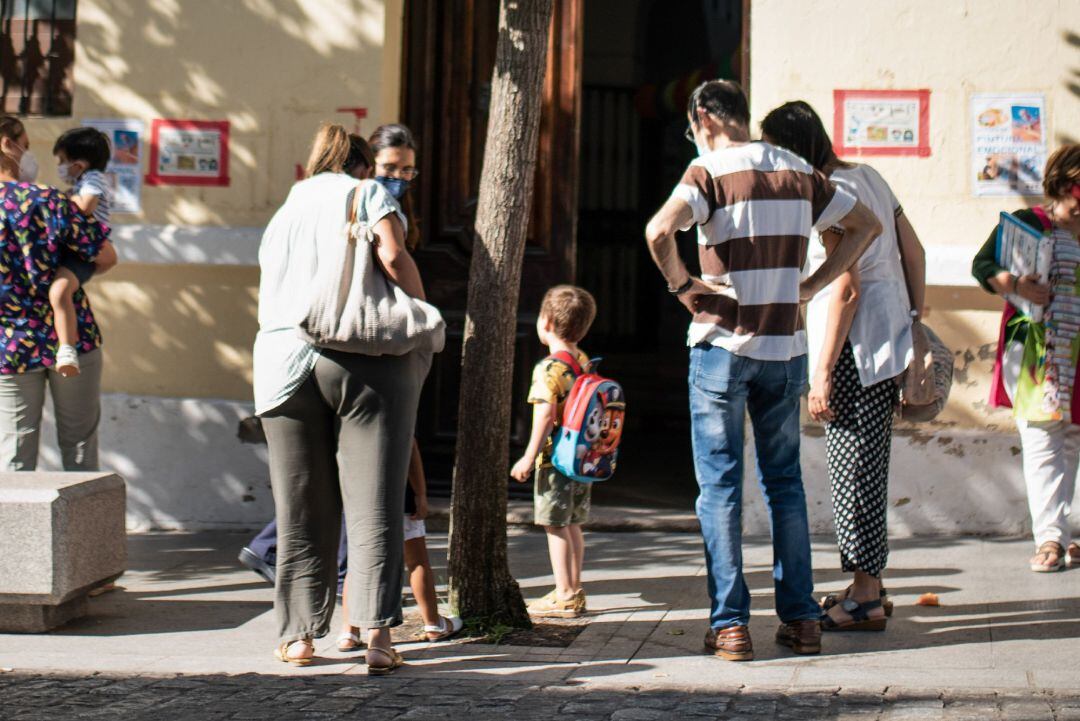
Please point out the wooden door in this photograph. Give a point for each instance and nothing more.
(447, 65)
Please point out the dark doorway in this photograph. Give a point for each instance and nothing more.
(641, 60)
(449, 55)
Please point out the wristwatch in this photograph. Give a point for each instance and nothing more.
(682, 288)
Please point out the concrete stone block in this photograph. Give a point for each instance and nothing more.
(64, 534)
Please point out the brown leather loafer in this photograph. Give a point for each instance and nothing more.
(802, 637)
(731, 643)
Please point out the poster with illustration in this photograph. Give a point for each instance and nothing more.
(124, 170)
(881, 122)
(189, 152)
(1008, 144)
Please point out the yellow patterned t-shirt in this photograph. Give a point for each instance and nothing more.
(552, 380)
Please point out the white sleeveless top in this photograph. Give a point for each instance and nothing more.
(880, 333)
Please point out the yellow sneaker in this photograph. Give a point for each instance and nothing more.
(552, 605)
(579, 601)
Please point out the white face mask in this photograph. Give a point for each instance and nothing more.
(64, 169)
(28, 167)
(702, 149)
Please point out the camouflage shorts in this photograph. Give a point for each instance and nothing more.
(558, 501)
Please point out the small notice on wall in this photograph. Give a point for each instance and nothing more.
(124, 170)
(881, 122)
(189, 152)
(1008, 143)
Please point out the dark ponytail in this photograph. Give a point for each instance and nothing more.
(796, 127)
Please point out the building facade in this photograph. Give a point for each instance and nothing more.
(179, 315)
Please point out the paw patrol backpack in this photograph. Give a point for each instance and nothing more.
(586, 444)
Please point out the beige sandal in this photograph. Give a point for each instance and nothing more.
(1047, 551)
(281, 653)
(349, 641)
(1072, 555)
(383, 669)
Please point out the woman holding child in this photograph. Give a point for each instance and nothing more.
(39, 228)
(859, 335)
(339, 425)
(1035, 371)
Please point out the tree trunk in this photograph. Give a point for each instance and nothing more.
(481, 587)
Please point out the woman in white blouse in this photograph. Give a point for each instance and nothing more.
(339, 426)
(859, 334)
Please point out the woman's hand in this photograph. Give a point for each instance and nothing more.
(1028, 287)
(818, 401)
(421, 508)
(523, 469)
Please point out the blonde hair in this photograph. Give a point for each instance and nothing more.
(570, 310)
(330, 150)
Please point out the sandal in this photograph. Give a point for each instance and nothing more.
(1047, 551)
(281, 653)
(860, 619)
(1072, 555)
(832, 599)
(349, 641)
(383, 669)
(447, 628)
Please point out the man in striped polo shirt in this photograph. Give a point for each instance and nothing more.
(754, 206)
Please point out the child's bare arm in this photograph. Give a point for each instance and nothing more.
(87, 204)
(543, 423)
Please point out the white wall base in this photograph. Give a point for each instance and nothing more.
(187, 470)
(942, 481)
(184, 465)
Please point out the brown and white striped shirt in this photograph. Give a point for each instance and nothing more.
(755, 206)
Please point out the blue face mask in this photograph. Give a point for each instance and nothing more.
(395, 186)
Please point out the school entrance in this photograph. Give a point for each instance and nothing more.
(611, 149)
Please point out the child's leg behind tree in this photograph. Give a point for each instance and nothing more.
(422, 580)
(62, 300)
(563, 559)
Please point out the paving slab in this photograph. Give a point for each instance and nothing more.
(188, 608)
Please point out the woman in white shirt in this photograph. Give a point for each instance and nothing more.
(859, 333)
(339, 426)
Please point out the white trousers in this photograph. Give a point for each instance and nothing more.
(1051, 453)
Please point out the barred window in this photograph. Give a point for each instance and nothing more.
(37, 54)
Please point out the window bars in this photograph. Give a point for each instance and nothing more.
(37, 52)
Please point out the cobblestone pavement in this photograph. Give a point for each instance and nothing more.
(29, 697)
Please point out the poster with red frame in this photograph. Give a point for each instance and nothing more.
(189, 152)
(881, 122)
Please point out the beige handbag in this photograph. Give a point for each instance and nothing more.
(925, 385)
(356, 308)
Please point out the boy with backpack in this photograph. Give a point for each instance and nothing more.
(588, 437)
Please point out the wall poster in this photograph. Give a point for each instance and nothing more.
(1008, 143)
(124, 170)
(881, 122)
(189, 152)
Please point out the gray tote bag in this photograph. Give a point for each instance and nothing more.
(356, 308)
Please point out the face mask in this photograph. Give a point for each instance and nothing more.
(702, 149)
(395, 186)
(64, 169)
(28, 167)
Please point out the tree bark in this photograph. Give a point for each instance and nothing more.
(481, 587)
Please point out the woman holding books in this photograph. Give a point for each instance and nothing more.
(1035, 372)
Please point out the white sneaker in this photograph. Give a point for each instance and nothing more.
(67, 361)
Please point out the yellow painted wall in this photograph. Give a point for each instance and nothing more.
(804, 50)
(274, 69)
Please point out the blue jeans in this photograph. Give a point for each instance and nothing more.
(723, 387)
